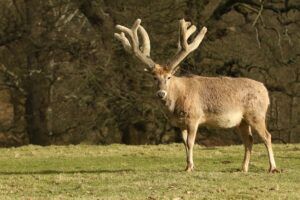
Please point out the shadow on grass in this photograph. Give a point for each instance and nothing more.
(209, 148)
(252, 169)
(289, 157)
(45, 172)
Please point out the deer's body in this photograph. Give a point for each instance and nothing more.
(221, 102)
(191, 101)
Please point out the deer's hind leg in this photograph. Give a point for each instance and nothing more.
(244, 130)
(258, 125)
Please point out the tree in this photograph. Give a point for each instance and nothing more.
(71, 82)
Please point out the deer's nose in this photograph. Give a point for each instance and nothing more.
(161, 94)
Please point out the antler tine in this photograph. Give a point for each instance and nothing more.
(124, 41)
(135, 39)
(132, 45)
(183, 26)
(190, 31)
(146, 41)
(179, 47)
(186, 30)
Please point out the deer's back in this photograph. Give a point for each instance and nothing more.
(224, 101)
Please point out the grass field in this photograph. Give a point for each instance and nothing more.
(146, 172)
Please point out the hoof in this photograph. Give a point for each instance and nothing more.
(244, 170)
(189, 168)
(273, 171)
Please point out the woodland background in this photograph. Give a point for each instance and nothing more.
(64, 79)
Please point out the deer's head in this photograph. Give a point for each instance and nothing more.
(161, 73)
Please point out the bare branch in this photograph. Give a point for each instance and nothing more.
(259, 13)
(15, 78)
(65, 19)
(257, 37)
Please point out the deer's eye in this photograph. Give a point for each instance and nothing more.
(155, 78)
(169, 77)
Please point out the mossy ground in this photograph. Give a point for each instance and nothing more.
(146, 172)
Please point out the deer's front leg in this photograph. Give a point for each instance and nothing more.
(191, 135)
(184, 134)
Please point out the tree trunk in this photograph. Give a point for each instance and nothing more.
(37, 85)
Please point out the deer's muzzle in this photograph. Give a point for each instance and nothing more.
(161, 94)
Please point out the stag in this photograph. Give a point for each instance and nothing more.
(190, 101)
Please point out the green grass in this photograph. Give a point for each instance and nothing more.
(146, 172)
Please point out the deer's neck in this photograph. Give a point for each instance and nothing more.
(175, 91)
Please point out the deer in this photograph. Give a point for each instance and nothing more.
(193, 101)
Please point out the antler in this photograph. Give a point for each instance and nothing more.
(186, 30)
(143, 52)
